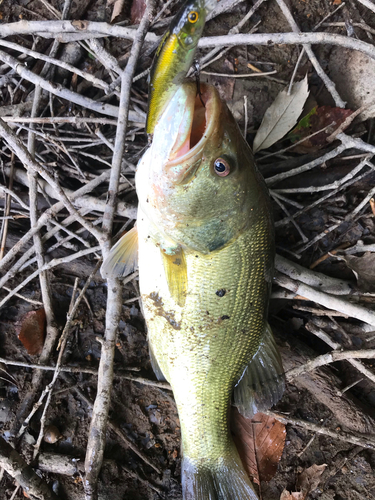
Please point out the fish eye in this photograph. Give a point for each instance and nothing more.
(221, 167)
(193, 16)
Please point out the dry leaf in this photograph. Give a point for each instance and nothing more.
(137, 11)
(281, 116)
(310, 478)
(285, 495)
(260, 442)
(364, 270)
(307, 481)
(32, 333)
(318, 118)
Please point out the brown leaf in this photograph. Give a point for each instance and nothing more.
(118, 5)
(310, 478)
(137, 11)
(318, 118)
(32, 333)
(364, 270)
(260, 442)
(285, 495)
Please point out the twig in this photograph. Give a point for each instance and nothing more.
(76, 120)
(51, 212)
(365, 441)
(16, 145)
(4, 228)
(328, 358)
(63, 339)
(323, 336)
(58, 90)
(326, 300)
(70, 466)
(97, 82)
(88, 202)
(333, 185)
(308, 166)
(96, 438)
(327, 81)
(320, 312)
(317, 280)
(323, 198)
(25, 476)
(49, 265)
(367, 4)
(119, 433)
(84, 29)
(248, 75)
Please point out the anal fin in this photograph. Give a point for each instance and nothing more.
(123, 257)
(176, 274)
(263, 382)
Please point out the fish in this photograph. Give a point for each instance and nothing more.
(204, 241)
(174, 56)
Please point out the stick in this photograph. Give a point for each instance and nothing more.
(60, 91)
(365, 441)
(16, 145)
(314, 61)
(25, 476)
(85, 29)
(326, 300)
(331, 357)
(96, 438)
(317, 280)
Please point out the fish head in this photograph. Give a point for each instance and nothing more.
(188, 23)
(198, 182)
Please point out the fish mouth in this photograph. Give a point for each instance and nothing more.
(198, 123)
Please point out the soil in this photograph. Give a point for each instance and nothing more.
(146, 415)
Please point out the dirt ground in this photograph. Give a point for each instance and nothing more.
(144, 464)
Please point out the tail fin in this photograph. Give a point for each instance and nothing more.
(224, 479)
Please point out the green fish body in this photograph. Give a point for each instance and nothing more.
(206, 253)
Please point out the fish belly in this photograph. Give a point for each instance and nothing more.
(203, 347)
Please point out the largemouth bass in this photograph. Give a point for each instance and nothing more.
(206, 250)
(174, 56)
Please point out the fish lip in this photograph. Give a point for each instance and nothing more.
(211, 101)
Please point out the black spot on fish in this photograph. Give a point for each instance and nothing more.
(225, 317)
(221, 292)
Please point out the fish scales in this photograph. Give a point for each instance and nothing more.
(213, 334)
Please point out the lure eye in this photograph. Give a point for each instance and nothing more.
(221, 167)
(193, 16)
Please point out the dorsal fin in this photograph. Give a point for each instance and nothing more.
(123, 257)
(176, 274)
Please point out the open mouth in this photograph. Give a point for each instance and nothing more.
(194, 126)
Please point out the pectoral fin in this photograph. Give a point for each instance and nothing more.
(176, 274)
(263, 382)
(123, 257)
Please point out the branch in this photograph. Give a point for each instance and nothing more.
(326, 300)
(96, 439)
(331, 357)
(25, 476)
(64, 93)
(365, 441)
(19, 149)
